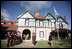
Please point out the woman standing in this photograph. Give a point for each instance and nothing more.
(50, 40)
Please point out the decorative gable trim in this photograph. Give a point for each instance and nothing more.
(51, 15)
(23, 14)
(62, 19)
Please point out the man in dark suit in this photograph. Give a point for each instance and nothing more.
(12, 39)
(50, 40)
(8, 39)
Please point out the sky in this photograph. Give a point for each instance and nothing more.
(12, 9)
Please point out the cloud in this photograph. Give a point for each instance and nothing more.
(5, 14)
(56, 13)
(35, 5)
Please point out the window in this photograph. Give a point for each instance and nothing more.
(31, 22)
(61, 25)
(2, 23)
(31, 19)
(49, 24)
(16, 23)
(60, 19)
(41, 34)
(44, 24)
(52, 24)
(41, 24)
(9, 23)
(26, 22)
(37, 23)
(65, 26)
(21, 22)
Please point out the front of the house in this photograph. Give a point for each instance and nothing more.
(29, 24)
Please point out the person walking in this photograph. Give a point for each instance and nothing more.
(12, 39)
(8, 38)
(50, 40)
(27, 36)
(34, 39)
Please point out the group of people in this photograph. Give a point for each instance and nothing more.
(13, 39)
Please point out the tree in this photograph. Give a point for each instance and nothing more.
(62, 33)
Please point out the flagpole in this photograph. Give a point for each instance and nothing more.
(45, 26)
(56, 25)
(58, 32)
(67, 31)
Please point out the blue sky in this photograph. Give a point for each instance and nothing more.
(12, 9)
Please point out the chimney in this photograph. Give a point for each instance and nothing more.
(37, 13)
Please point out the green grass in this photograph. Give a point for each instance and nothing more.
(43, 44)
(22, 47)
(61, 43)
(3, 43)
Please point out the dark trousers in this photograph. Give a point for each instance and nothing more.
(50, 43)
(8, 41)
(12, 42)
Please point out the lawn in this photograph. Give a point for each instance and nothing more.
(43, 44)
(3, 43)
(56, 44)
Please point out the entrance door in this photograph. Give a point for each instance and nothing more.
(26, 34)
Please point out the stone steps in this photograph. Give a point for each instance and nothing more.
(26, 43)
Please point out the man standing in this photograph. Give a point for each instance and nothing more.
(12, 39)
(50, 40)
(8, 39)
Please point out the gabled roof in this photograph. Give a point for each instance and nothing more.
(50, 14)
(24, 13)
(37, 17)
(62, 19)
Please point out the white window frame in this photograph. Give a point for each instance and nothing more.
(26, 22)
(37, 23)
(2, 23)
(41, 23)
(16, 23)
(9, 23)
(41, 34)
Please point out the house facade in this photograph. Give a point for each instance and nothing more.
(28, 24)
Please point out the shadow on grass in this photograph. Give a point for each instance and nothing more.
(43, 44)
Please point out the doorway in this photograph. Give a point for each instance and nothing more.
(26, 35)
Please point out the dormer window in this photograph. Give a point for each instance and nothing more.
(9, 23)
(16, 23)
(2, 23)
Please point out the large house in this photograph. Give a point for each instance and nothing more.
(28, 24)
